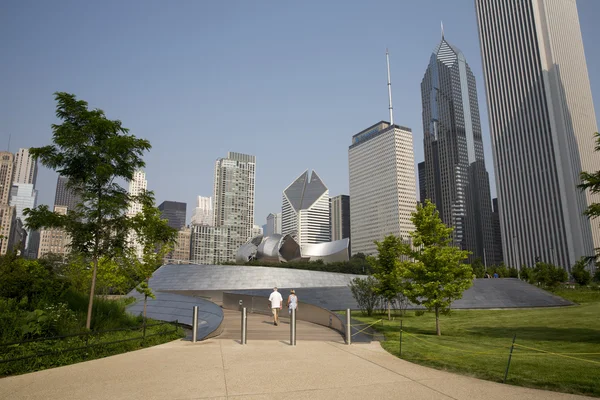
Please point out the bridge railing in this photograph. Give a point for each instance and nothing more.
(306, 312)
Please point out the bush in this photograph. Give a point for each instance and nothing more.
(549, 275)
(580, 274)
(363, 291)
(597, 275)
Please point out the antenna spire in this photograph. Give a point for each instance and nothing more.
(387, 56)
(442, 25)
(9, 137)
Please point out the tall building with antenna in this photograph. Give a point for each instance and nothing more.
(382, 182)
(455, 177)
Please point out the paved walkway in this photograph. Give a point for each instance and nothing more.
(261, 326)
(224, 369)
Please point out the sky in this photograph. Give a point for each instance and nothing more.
(288, 82)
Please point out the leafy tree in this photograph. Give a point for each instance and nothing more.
(580, 273)
(156, 239)
(478, 268)
(591, 181)
(435, 274)
(385, 267)
(549, 275)
(364, 292)
(93, 152)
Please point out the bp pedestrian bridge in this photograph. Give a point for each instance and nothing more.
(221, 291)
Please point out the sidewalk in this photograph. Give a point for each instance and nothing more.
(224, 369)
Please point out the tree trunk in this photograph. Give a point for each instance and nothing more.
(88, 322)
(145, 302)
(389, 310)
(437, 321)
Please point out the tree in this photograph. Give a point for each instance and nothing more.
(548, 275)
(364, 292)
(385, 269)
(93, 152)
(156, 239)
(591, 181)
(435, 275)
(580, 273)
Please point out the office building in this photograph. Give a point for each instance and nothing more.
(382, 185)
(54, 240)
(203, 213)
(174, 212)
(273, 224)
(23, 195)
(422, 182)
(6, 175)
(257, 230)
(454, 175)
(181, 250)
(8, 222)
(211, 244)
(340, 217)
(497, 256)
(542, 122)
(137, 186)
(65, 196)
(25, 167)
(305, 210)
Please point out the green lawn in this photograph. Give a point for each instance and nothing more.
(477, 343)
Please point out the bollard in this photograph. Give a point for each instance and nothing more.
(293, 327)
(348, 327)
(244, 326)
(194, 324)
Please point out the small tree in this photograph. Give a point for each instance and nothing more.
(548, 275)
(436, 275)
(364, 292)
(478, 268)
(580, 273)
(156, 239)
(385, 266)
(92, 152)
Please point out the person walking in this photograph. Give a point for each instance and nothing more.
(292, 301)
(276, 302)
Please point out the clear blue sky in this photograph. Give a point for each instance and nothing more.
(289, 82)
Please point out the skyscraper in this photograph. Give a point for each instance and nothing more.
(340, 217)
(65, 196)
(203, 213)
(136, 187)
(496, 232)
(382, 185)
(25, 167)
(174, 212)
(422, 182)
(305, 210)
(273, 224)
(542, 122)
(54, 240)
(23, 195)
(234, 195)
(6, 175)
(7, 212)
(456, 180)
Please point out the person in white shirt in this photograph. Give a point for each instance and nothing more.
(276, 302)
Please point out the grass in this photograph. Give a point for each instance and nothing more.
(477, 343)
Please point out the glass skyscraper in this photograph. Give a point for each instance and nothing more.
(455, 178)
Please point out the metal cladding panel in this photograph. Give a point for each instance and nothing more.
(328, 252)
(234, 277)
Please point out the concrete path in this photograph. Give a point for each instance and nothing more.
(260, 327)
(224, 369)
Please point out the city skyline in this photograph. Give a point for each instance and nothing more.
(366, 77)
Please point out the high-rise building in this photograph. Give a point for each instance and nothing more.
(422, 171)
(233, 206)
(23, 195)
(137, 186)
(65, 196)
(54, 240)
(181, 250)
(542, 122)
(25, 167)
(454, 175)
(382, 185)
(174, 212)
(497, 256)
(273, 224)
(203, 213)
(8, 221)
(305, 210)
(6, 175)
(340, 217)
(211, 244)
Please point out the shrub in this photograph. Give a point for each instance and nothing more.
(580, 274)
(363, 291)
(549, 275)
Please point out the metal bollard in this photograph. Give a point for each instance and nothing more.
(194, 324)
(293, 327)
(244, 326)
(348, 327)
